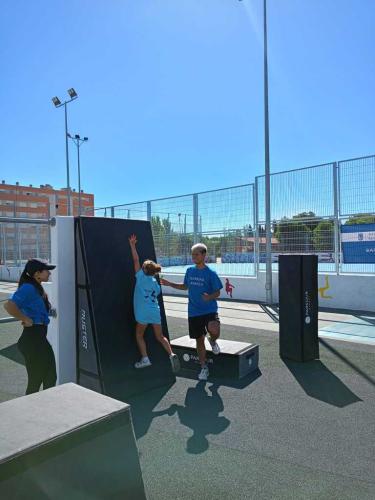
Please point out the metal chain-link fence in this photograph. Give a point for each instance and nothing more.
(20, 241)
(313, 210)
(309, 206)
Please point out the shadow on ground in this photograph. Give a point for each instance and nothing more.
(320, 383)
(200, 411)
(201, 414)
(12, 352)
(226, 382)
(142, 409)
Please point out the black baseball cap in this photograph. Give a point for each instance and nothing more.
(35, 265)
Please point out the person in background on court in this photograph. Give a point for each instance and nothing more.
(31, 306)
(146, 307)
(229, 287)
(204, 287)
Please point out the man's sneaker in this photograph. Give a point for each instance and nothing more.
(144, 363)
(204, 373)
(175, 362)
(214, 345)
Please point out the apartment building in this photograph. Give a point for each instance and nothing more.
(41, 202)
(20, 241)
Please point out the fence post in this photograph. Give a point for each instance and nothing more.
(2, 258)
(195, 218)
(37, 238)
(20, 246)
(336, 220)
(113, 212)
(48, 235)
(256, 234)
(149, 211)
(4, 244)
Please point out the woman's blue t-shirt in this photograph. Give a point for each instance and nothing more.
(146, 305)
(200, 281)
(31, 303)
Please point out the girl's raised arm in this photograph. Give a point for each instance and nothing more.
(133, 242)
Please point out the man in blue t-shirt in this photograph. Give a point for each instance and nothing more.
(204, 287)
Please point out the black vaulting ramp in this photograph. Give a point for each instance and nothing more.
(105, 280)
(68, 443)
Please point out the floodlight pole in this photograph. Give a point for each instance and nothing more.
(267, 164)
(79, 183)
(67, 159)
(78, 142)
(73, 95)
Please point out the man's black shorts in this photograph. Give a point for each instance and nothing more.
(198, 325)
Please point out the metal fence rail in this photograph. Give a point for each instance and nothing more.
(22, 239)
(303, 212)
(356, 201)
(356, 186)
(309, 207)
(222, 219)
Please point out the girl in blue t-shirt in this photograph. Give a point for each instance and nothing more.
(146, 307)
(30, 305)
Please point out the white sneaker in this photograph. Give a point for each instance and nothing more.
(144, 363)
(175, 362)
(214, 345)
(204, 373)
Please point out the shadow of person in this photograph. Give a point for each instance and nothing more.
(320, 383)
(201, 414)
(142, 408)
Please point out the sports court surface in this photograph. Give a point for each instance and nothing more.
(293, 431)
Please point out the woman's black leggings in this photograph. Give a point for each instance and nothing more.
(39, 358)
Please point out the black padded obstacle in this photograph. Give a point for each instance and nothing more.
(236, 360)
(298, 307)
(68, 442)
(105, 279)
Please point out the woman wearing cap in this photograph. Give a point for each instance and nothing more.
(30, 305)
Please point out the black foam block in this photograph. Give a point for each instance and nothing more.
(106, 346)
(298, 303)
(236, 359)
(68, 442)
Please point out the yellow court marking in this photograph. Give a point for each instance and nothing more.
(322, 290)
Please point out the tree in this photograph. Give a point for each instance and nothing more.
(323, 236)
(304, 232)
(165, 238)
(309, 219)
(293, 235)
(360, 219)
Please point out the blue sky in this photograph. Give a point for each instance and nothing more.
(171, 91)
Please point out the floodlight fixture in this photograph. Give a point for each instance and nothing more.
(56, 101)
(72, 93)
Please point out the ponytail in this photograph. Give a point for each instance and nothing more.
(25, 278)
